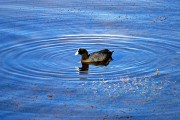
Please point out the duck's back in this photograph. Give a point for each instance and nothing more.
(100, 56)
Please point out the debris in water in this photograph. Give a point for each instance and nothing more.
(157, 72)
(92, 106)
(50, 96)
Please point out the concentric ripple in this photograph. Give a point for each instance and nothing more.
(46, 59)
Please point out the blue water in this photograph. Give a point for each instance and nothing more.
(39, 72)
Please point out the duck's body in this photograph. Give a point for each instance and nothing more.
(95, 57)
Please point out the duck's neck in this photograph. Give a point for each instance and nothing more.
(84, 56)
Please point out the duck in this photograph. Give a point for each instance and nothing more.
(97, 58)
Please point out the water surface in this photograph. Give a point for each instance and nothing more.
(38, 69)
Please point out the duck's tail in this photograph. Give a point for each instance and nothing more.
(111, 52)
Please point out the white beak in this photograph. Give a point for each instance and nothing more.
(77, 53)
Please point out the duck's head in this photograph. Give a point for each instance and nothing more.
(81, 51)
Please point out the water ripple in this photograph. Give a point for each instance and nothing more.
(133, 56)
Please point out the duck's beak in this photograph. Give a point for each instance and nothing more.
(76, 53)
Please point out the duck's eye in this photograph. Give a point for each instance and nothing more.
(80, 51)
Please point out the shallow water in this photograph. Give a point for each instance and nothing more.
(39, 76)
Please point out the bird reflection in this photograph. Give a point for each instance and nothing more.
(83, 70)
(85, 66)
